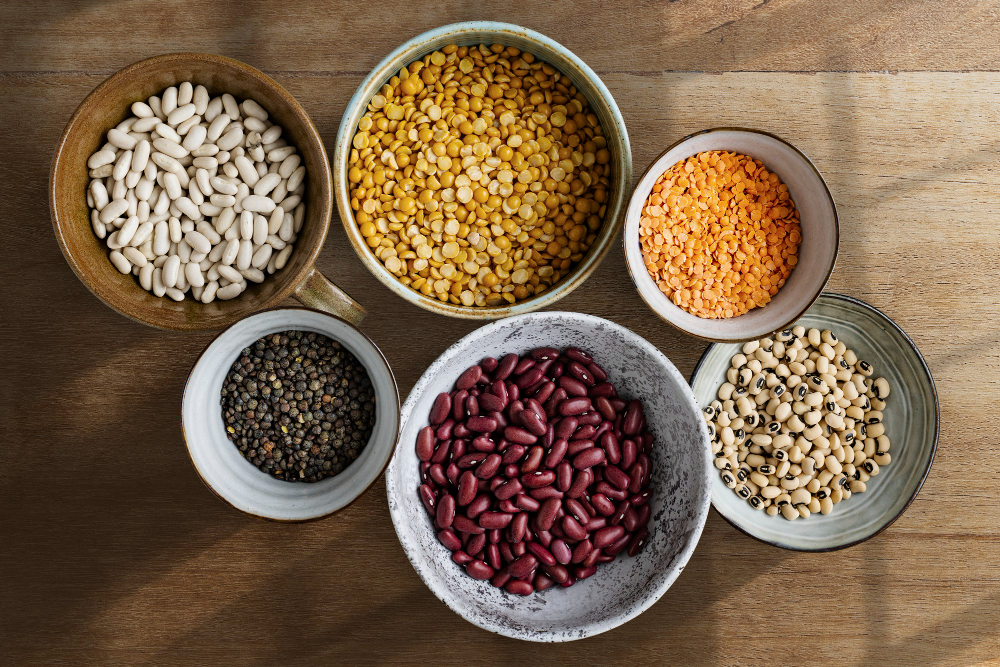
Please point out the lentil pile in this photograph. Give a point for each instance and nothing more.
(719, 234)
(534, 471)
(479, 175)
(797, 426)
(299, 406)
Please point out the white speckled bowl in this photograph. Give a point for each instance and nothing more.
(621, 590)
(236, 480)
(911, 420)
(817, 251)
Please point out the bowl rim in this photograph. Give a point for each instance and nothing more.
(934, 445)
(612, 222)
(701, 505)
(632, 270)
(392, 450)
(323, 180)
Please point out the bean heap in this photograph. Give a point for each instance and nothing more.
(797, 426)
(171, 181)
(719, 234)
(299, 406)
(534, 471)
(479, 175)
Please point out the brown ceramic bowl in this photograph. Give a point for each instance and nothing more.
(107, 106)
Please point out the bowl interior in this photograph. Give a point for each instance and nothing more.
(817, 251)
(488, 32)
(911, 423)
(237, 481)
(107, 106)
(620, 590)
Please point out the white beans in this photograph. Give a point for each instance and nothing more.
(167, 188)
(795, 439)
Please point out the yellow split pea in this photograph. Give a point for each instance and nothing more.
(719, 234)
(479, 175)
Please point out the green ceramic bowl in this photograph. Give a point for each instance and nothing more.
(912, 423)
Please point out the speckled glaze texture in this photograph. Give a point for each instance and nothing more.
(621, 590)
(911, 417)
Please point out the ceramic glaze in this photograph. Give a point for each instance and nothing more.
(911, 422)
(681, 477)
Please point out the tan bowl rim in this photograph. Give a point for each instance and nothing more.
(635, 193)
(109, 296)
(930, 460)
(612, 223)
(388, 458)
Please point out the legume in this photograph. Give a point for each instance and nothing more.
(805, 432)
(298, 405)
(719, 234)
(556, 483)
(173, 179)
(479, 175)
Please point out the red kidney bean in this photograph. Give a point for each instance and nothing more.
(602, 504)
(603, 389)
(544, 353)
(561, 551)
(600, 375)
(544, 392)
(513, 454)
(448, 538)
(549, 437)
(543, 555)
(544, 364)
(489, 364)
(607, 536)
(508, 489)
(532, 460)
(526, 502)
(441, 453)
(443, 431)
(596, 523)
(496, 481)
(518, 587)
(604, 427)
(569, 582)
(574, 406)
(471, 460)
(609, 443)
(481, 424)
(436, 473)
(523, 565)
(647, 442)
(617, 547)
(582, 549)
(461, 557)
(472, 406)
(424, 476)
(517, 527)
(532, 422)
(500, 579)
(604, 558)
(506, 366)
(529, 377)
(445, 511)
(577, 355)
(556, 454)
(475, 544)
(523, 365)
(513, 411)
(581, 480)
(631, 519)
(572, 386)
(539, 478)
(572, 528)
(616, 476)
(635, 476)
(630, 453)
(491, 520)
(483, 443)
(460, 431)
(620, 510)
(520, 436)
(535, 406)
(511, 470)
(603, 406)
(518, 549)
(506, 553)
(558, 573)
(588, 457)
(513, 393)
(637, 541)
(576, 446)
(591, 558)
(611, 492)
(458, 449)
(565, 427)
(586, 432)
(541, 582)
(478, 569)
(467, 488)
(509, 507)
(440, 409)
(633, 418)
(469, 378)
(641, 498)
(489, 467)
(547, 514)
(592, 418)
(580, 372)
(478, 506)
(492, 556)
(576, 510)
(494, 535)
(555, 400)
(618, 404)
(545, 492)
(425, 443)
(643, 512)
(564, 475)
(647, 469)
(428, 498)
(492, 403)
(584, 572)
(458, 405)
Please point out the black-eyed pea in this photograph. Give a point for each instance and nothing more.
(814, 505)
(871, 467)
(772, 510)
(795, 454)
(813, 486)
(846, 492)
(743, 472)
(882, 444)
(759, 479)
(723, 419)
(783, 412)
(722, 463)
(812, 432)
(878, 404)
(751, 346)
(875, 430)
(789, 512)
(755, 365)
(726, 391)
(783, 371)
(825, 506)
(778, 349)
(771, 492)
(849, 455)
(789, 482)
(766, 469)
(756, 502)
(743, 491)
(784, 335)
(803, 511)
(863, 476)
(733, 375)
(854, 412)
(815, 337)
(755, 460)
(782, 469)
(865, 368)
(822, 365)
(744, 377)
(836, 495)
(729, 479)
(801, 496)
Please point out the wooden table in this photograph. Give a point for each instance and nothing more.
(113, 551)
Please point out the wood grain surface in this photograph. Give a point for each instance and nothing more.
(112, 551)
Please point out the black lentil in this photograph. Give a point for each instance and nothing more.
(298, 405)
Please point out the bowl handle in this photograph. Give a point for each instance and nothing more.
(316, 291)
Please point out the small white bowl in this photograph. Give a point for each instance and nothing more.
(235, 479)
(912, 423)
(681, 479)
(817, 250)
